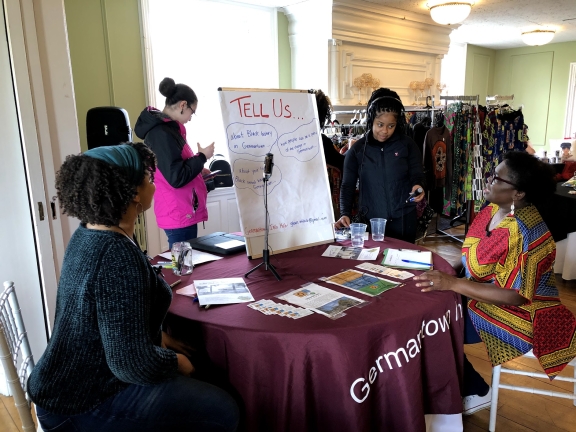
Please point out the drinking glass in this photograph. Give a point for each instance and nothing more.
(182, 258)
(357, 231)
(378, 226)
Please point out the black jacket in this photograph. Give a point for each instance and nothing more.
(387, 173)
(165, 141)
(333, 158)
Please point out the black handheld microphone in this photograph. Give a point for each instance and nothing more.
(268, 165)
(414, 193)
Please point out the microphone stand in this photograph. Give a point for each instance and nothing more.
(266, 252)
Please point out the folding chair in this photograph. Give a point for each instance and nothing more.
(496, 386)
(14, 350)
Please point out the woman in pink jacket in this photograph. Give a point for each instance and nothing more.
(180, 200)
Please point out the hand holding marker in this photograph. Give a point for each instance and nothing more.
(413, 194)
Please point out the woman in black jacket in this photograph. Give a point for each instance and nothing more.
(387, 166)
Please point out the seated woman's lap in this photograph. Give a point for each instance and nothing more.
(471, 336)
(178, 404)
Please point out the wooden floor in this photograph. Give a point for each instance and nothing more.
(517, 411)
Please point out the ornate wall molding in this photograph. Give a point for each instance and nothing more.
(393, 45)
(370, 24)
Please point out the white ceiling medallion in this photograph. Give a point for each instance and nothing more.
(538, 37)
(449, 12)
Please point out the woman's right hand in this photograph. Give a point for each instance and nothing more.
(208, 151)
(184, 366)
(343, 222)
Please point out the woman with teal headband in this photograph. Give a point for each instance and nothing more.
(108, 366)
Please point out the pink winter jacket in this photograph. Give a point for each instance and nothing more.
(180, 198)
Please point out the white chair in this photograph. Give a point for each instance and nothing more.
(496, 385)
(14, 350)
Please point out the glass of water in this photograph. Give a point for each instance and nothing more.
(357, 231)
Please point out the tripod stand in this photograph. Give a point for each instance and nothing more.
(266, 252)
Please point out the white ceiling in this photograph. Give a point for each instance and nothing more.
(495, 24)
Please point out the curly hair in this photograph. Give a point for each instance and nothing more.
(97, 192)
(385, 100)
(324, 106)
(531, 176)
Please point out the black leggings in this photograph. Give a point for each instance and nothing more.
(403, 228)
(474, 384)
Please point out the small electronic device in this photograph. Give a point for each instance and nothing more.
(211, 175)
(414, 193)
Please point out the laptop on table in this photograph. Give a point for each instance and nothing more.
(210, 242)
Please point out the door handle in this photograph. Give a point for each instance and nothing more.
(41, 210)
(53, 207)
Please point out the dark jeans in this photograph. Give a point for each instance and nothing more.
(402, 228)
(181, 404)
(181, 234)
(474, 384)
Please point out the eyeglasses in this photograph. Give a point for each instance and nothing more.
(493, 178)
(192, 109)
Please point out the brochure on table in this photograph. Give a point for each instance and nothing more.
(321, 300)
(375, 268)
(408, 259)
(353, 253)
(361, 282)
(222, 291)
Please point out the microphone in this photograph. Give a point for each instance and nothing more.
(268, 165)
(414, 193)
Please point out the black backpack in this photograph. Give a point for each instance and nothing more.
(224, 177)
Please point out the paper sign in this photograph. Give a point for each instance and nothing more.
(230, 244)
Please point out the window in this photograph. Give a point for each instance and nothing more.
(206, 45)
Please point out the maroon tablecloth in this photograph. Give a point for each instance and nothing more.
(379, 368)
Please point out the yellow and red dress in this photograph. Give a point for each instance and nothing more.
(519, 254)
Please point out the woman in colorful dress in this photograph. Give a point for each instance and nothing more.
(508, 256)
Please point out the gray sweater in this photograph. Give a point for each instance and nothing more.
(107, 333)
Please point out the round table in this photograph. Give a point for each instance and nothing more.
(380, 367)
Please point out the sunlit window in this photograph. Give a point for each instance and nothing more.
(212, 44)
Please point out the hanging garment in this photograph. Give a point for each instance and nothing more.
(438, 165)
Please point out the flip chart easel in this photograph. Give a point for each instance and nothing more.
(284, 123)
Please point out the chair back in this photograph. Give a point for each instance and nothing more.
(15, 353)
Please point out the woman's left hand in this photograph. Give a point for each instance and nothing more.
(420, 197)
(435, 280)
(176, 345)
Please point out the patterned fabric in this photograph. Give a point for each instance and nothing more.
(519, 254)
(334, 180)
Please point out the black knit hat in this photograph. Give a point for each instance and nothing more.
(565, 145)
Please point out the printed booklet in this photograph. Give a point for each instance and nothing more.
(321, 300)
(353, 253)
(222, 291)
(361, 282)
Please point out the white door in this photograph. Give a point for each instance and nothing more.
(25, 246)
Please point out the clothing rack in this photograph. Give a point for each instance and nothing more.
(468, 209)
(349, 112)
(498, 98)
(460, 99)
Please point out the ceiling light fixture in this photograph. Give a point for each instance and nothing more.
(538, 37)
(449, 12)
